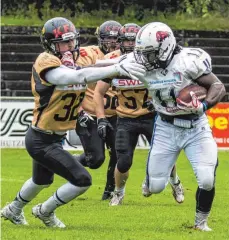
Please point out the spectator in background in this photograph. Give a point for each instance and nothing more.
(118, 7)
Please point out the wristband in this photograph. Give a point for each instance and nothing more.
(205, 105)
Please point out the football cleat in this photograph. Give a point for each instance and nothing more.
(107, 195)
(117, 198)
(203, 227)
(145, 190)
(178, 192)
(49, 219)
(8, 214)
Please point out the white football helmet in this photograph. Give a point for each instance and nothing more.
(154, 45)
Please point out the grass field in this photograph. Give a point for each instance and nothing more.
(158, 217)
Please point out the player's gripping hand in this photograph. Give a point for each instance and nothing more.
(195, 106)
(68, 60)
(103, 127)
(84, 119)
(130, 69)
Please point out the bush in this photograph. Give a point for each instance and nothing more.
(198, 14)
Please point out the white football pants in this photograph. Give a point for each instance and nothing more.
(167, 142)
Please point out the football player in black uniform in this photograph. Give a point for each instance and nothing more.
(58, 86)
(94, 147)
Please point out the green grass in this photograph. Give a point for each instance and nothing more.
(178, 22)
(156, 218)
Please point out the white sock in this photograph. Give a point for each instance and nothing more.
(174, 179)
(63, 195)
(28, 191)
(120, 190)
(200, 217)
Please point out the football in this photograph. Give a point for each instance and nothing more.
(184, 94)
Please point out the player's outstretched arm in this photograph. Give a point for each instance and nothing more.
(65, 76)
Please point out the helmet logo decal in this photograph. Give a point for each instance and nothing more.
(112, 28)
(162, 35)
(63, 29)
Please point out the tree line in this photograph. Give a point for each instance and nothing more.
(117, 7)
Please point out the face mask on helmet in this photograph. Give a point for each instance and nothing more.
(107, 35)
(57, 30)
(126, 37)
(155, 44)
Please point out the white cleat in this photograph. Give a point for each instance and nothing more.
(203, 227)
(178, 192)
(145, 190)
(8, 214)
(49, 219)
(116, 199)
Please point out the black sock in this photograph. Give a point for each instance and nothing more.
(204, 199)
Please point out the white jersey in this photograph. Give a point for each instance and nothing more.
(165, 84)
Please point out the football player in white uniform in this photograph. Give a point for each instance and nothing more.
(133, 118)
(170, 68)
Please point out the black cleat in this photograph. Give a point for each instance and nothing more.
(107, 195)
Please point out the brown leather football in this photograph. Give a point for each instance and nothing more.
(184, 94)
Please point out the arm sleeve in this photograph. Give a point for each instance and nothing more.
(103, 62)
(65, 76)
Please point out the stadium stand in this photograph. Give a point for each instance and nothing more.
(21, 45)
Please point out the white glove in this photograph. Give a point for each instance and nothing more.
(195, 106)
(132, 70)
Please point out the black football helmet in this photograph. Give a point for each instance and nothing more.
(57, 30)
(128, 32)
(107, 35)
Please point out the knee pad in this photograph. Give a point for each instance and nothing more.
(43, 180)
(93, 161)
(157, 185)
(82, 179)
(124, 162)
(205, 177)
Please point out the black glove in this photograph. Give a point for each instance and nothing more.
(149, 105)
(103, 127)
(84, 119)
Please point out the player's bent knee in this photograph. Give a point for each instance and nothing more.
(157, 185)
(94, 162)
(206, 178)
(124, 163)
(82, 179)
(46, 182)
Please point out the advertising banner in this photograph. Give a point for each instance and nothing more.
(16, 116)
(218, 117)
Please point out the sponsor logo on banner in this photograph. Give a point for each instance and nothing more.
(16, 118)
(218, 117)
